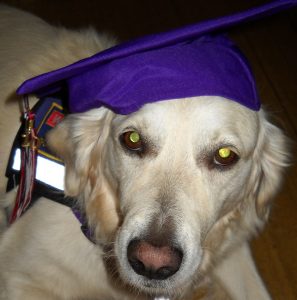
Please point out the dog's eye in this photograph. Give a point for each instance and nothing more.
(225, 157)
(132, 140)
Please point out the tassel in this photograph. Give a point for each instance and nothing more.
(29, 150)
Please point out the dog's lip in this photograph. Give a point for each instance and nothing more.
(155, 291)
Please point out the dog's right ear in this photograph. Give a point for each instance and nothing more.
(73, 140)
(271, 158)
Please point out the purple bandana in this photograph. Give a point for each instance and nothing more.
(186, 62)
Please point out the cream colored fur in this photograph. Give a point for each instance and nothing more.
(214, 212)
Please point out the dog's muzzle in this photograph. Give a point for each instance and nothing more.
(153, 256)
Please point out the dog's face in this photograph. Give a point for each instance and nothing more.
(165, 185)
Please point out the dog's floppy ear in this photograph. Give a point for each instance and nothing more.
(80, 140)
(271, 157)
(73, 140)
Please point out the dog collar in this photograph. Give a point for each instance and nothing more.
(195, 60)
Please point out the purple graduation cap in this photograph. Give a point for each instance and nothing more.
(195, 60)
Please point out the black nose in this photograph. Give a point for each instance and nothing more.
(152, 261)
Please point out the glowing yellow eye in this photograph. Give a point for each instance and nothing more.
(134, 137)
(132, 140)
(225, 156)
(224, 152)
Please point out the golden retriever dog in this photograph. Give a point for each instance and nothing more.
(169, 216)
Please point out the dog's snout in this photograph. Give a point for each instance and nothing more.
(154, 262)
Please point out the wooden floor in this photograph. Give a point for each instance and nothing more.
(271, 46)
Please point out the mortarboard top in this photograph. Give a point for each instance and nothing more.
(195, 60)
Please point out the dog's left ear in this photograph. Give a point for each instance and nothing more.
(80, 140)
(74, 140)
(271, 157)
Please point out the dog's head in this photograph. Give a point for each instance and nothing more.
(172, 186)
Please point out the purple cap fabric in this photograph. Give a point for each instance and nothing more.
(190, 61)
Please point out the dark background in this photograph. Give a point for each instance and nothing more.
(270, 45)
